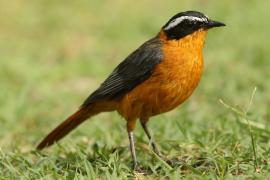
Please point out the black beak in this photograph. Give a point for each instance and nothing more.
(211, 24)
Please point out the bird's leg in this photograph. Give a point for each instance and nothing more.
(130, 127)
(152, 142)
(132, 149)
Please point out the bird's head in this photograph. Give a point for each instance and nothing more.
(185, 23)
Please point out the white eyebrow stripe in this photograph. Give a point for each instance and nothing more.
(177, 21)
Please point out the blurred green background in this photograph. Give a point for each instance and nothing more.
(53, 54)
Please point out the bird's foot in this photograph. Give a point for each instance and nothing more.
(136, 167)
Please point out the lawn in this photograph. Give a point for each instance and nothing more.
(53, 54)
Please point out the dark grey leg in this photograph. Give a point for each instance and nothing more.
(132, 149)
(153, 144)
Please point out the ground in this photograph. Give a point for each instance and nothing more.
(53, 54)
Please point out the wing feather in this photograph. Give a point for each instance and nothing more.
(135, 69)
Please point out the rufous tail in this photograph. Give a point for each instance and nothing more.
(65, 127)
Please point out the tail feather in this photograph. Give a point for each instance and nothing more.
(65, 127)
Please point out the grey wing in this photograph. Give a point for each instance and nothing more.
(135, 69)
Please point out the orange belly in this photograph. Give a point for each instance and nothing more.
(171, 82)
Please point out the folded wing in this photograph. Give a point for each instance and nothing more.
(135, 69)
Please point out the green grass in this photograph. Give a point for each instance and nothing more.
(53, 54)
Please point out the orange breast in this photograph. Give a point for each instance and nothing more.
(172, 81)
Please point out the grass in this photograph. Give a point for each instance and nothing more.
(53, 54)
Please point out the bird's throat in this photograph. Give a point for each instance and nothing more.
(193, 41)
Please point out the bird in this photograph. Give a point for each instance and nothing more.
(154, 79)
